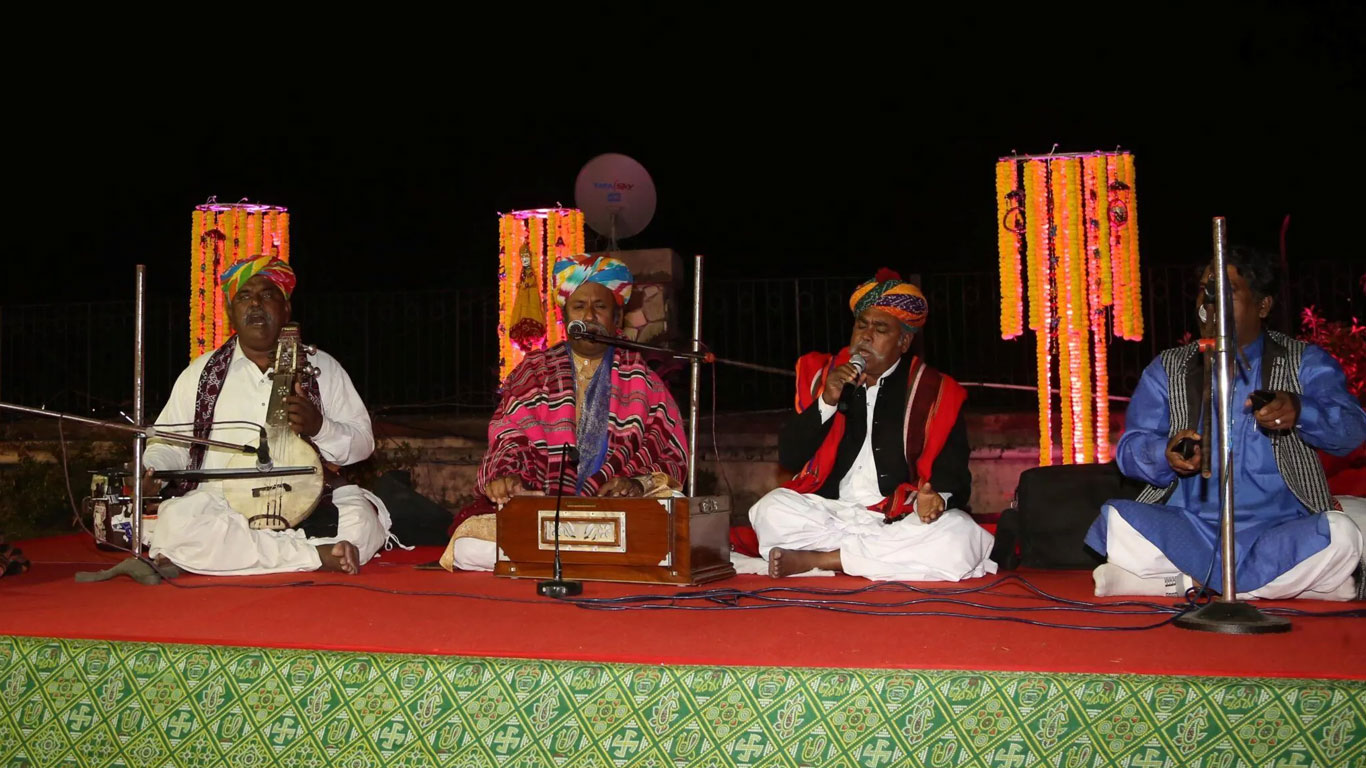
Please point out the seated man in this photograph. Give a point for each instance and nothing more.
(881, 487)
(601, 399)
(1290, 542)
(199, 531)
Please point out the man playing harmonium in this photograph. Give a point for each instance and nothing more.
(600, 399)
(224, 394)
(1292, 398)
(882, 450)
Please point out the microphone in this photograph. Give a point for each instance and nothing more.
(576, 329)
(847, 393)
(263, 462)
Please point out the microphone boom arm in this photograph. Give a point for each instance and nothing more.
(148, 431)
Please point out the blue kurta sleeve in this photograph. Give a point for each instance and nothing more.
(1142, 450)
(1330, 417)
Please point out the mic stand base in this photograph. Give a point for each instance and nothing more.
(1235, 618)
(559, 588)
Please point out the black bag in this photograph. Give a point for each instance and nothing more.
(417, 520)
(1053, 509)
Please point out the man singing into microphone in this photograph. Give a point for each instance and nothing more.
(599, 398)
(883, 457)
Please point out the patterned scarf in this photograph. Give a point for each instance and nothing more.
(644, 431)
(592, 431)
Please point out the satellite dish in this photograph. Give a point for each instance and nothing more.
(616, 195)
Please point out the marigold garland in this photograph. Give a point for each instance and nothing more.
(542, 229)
(1082, 275)
(220, 235)
(1010, 216)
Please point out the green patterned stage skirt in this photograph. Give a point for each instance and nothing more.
(98, 703)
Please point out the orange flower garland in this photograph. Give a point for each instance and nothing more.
(1097, 283)
(1084, 448)
(220, 235)
(1082, 272)
(541, 229)
(1134, 299)
(1041, 302)
(1008, 243)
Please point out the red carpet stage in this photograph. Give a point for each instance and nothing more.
(352, 669)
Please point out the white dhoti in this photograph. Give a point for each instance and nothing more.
(471, 554)
(1324, 575)
(200, 533)
(952, 548)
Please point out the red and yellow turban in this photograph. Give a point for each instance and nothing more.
(889, 293)
(269, 267)
(573, 271)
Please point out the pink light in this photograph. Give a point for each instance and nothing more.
(248, 207)
(540, 213)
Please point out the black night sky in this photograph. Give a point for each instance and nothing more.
(800, 157)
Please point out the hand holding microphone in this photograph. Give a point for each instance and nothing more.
(840, 385)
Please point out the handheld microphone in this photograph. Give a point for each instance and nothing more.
(847, 393)
(263, 462)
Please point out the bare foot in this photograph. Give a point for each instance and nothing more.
(787, 562)
(342, 557)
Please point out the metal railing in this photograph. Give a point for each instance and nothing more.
(438, 349)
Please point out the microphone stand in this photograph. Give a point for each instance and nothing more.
(557, 587)
(1227, 614)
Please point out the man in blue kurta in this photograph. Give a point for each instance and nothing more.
(1290, 540)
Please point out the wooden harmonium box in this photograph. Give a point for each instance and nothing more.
(649, 541)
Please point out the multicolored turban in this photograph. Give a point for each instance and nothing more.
(889, 293)
(269, 267)
(573, 271)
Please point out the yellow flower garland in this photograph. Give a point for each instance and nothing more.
(1063, 278)
(1131, 240)
(1081, 315)
(1041, 296)
(1072, 208)
(248, 230)
(540, 229)
(1008, 243)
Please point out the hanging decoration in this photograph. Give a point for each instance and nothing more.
(529, 242)
(222, 234)
(1070, 221)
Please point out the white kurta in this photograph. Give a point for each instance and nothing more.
(951, 548)
(201, 533)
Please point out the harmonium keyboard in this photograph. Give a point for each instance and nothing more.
(678, 540)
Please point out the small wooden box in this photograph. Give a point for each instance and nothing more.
(648, 541)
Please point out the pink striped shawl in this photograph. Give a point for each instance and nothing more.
(644, 432)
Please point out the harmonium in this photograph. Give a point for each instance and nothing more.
(680, 540)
